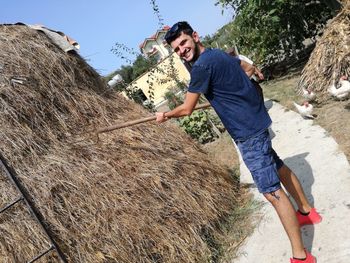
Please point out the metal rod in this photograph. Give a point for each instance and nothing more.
(11, 204)
(37, 216)
(42, 254)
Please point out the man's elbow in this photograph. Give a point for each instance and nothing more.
(187, 112)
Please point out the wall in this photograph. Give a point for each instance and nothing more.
(161, 79)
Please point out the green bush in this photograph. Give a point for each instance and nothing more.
(198, 127)
(173, 99)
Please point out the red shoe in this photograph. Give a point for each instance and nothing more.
(309, 259)
(311, 219)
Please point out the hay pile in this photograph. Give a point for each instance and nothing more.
(330, 58)
(141, 194)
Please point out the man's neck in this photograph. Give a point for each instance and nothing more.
(201, 48)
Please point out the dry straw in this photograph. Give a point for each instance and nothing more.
(141, 194)
(330, 58)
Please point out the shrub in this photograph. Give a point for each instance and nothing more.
(198, 127)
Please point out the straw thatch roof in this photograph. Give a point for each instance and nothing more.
(330, 58)
(141, 194)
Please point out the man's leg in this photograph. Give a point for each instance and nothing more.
(306, 215)
(257, 155)
(286, 213)
(294, 188)
(263, 163)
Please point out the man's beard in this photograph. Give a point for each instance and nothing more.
(196, 53)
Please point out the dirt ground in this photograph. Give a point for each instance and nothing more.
(331, 115)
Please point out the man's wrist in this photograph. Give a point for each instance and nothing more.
(165, 115)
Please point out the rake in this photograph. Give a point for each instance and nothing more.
(132, 123)
(147, 119)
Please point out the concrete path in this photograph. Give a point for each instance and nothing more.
(325, 175)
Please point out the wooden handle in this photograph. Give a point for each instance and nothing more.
(131, 123)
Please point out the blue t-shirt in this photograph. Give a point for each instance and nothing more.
(227, 87)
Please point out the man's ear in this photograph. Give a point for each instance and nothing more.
(195, 36)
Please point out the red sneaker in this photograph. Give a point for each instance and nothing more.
(309, 259)
(311, 219)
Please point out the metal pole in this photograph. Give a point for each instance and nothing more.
(12, 176)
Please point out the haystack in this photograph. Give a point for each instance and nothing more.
(146, 193)
(330, 58)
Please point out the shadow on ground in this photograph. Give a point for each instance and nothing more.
(303, 171)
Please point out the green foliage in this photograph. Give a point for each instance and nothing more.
(238, 5)
(142, 65)
(334, 5)
(235, 4)
(198, 127)
(132, 72)
(173, 99)
(272, 30)
(215, 120)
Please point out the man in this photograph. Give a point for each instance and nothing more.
(223, 80)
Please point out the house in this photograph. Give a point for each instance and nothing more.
(169, 73)
(156, 46)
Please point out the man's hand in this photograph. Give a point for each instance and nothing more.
(184, 109)
(160, 117)
(247, 68)
(259, 74)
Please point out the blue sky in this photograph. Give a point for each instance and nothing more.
(98, 25)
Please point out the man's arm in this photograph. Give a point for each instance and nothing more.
(258, 73)
(184, 109)
(247, 68)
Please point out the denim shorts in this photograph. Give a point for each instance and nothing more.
(262, 161)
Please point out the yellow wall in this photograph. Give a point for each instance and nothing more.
(161, 80)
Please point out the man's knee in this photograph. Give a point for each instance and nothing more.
(284, 170)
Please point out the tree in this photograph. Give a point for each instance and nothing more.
(275, 29)
(237, 5)
(142, 65)
(334, 5)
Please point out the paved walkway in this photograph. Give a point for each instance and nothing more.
(325, 175)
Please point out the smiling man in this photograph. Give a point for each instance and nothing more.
(224, 81)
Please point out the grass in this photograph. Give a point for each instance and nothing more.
(243, 218)
(239, 226)
(331, 115)
(235, 229)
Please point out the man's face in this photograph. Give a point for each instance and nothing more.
(187, 46)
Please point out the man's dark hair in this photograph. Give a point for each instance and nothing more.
(176, 30)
